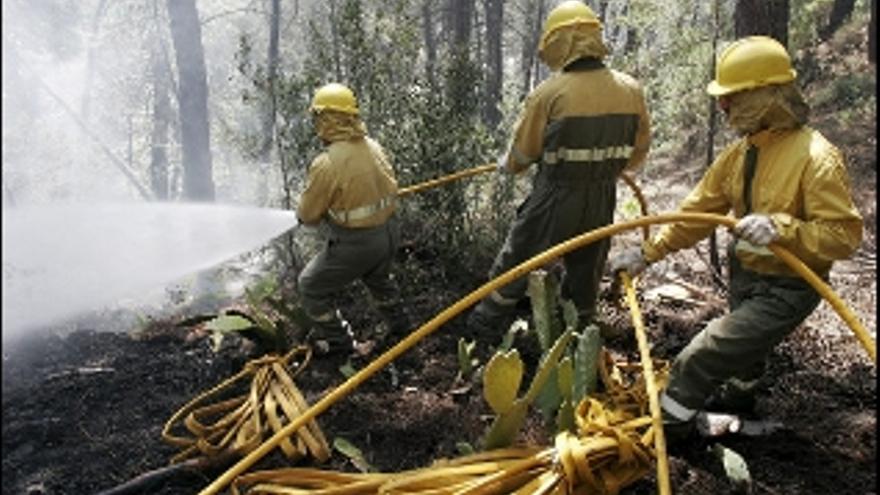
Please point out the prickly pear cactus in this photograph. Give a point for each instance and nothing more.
(501, 381)
(575, 374)
(543, 293)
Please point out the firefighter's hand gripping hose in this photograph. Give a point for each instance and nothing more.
(527, 266)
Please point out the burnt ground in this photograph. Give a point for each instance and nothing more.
(83, 412)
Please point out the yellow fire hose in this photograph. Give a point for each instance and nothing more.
(490, 167)
(523, 268)
(663, 482)
(609, 450)
(237, 424)
(447, 178)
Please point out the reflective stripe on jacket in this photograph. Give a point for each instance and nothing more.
(800, 181)
(585, 114)
(352, 183)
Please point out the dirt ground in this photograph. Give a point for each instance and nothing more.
(83, 412)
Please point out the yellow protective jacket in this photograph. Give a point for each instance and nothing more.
(605, 107)
(351, 184)
(800, 181)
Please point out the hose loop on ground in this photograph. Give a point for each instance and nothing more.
(518, 271)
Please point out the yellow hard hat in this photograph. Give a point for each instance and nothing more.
(568, 13)
(749, 63)
(334, 96)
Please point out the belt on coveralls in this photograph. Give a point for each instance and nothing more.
(362, 212)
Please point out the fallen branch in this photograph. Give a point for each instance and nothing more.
(146, 480)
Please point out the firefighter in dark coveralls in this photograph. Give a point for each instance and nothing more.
(583, 126)
(788, 185)
(351, 189)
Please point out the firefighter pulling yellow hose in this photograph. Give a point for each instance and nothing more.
(527, 266)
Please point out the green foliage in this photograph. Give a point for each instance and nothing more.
(565, 384)
(543, 292)
(576, 374)
(848, 90)
(671, 59)
(347, 369)
(270, 318)
(373, 47)
(501, 380)
(630, 208)
(518, 326)
(223, 324)
(354, 454)
(466, 359)
(464, 448)
(589, 345)
(807, 17)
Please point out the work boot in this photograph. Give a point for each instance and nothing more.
(397, 321)
(734, 396)
(680, 425)
(677, 430)
(490, 321)
(331, 337)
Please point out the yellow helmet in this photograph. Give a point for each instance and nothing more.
(568, 13)
(749, 63)
(334, 96)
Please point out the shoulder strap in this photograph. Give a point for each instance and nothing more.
(751, 163)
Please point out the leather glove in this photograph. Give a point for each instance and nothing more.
(757, 229)
(631, 259)
(502, 163)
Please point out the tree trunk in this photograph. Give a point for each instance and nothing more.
(712, 128)
(271, 106)
(839, 13)
(430, 43)
(198, 182)
(334, 34)
(458, 83)
(161, 119)
(764, 17)
(85, 106)
(494, 67)
(534, 22)
(872, 34)
(271, 75)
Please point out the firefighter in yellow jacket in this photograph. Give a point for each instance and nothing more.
(352, 190)
(582, 126)
(788, 186)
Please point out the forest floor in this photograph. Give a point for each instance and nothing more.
(83, 412)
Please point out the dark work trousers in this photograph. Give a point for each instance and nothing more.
(565, 201)
(764, 309)
(348, 255)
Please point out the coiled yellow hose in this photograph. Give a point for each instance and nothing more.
(483, 291)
